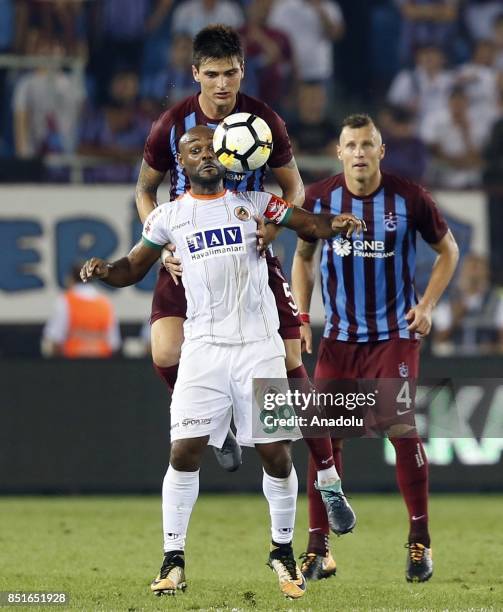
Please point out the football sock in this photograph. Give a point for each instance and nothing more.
(329, 478)
(179, 494)
(168, 375)
(412, 478)
(281, 494)
(320, 448)
(317, 543)
(337, 454)
(318, 521)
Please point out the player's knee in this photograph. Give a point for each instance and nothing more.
(279, 467)
(276, 459)
(397, 431)
(185, 455)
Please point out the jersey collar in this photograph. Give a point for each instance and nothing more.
(210, 120)
(370, 196)
(213, 196)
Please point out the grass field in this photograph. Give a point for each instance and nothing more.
(104, 552)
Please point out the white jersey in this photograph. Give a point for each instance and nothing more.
(226, 282)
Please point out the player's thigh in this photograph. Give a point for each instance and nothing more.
(288, 313)
(395, 358)
(201, 402)
(337, 360)
(167, 339)
(169, 306)
(392, 368)
(337, 371)
(263, 361)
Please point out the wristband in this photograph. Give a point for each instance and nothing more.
(305, 318)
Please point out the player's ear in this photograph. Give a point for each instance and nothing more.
(339, 152)
(383, 151)
(179, 159)
(195, 74)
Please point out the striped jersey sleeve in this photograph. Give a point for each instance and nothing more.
(158, 152)
(429, 221)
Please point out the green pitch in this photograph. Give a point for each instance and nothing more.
(105, 551)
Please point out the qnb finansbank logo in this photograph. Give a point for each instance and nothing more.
(215, 242)
(361, 248)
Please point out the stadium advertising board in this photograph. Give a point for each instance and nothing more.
(44, 230)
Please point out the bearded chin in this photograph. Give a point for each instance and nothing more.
(212, 180)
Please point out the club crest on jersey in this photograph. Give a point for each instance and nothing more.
(403, 369)
(242, 213)
(390, 222)
(214, 242)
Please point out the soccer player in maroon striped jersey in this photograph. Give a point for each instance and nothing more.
(373, 318)
(218, 66)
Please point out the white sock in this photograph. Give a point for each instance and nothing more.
(179, 494)
(281, 493)
(329, 477)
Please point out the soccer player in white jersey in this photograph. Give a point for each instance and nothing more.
(230, 338)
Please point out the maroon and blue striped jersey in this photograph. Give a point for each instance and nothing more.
(368, 281)
(162, 144)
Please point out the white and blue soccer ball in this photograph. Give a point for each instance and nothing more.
(242, 142)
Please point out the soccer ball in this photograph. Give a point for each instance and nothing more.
(242, 142)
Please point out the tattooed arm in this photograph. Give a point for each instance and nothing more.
(291, 184)
(146, 190)
(292, 189)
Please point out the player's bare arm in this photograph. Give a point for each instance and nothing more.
(123, 272)
(303, 275)
(292, 188)
(322, 225)
(146, 190)
(313, 226)
(419, 317)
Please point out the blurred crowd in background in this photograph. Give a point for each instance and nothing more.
(89, 76)
(84, 79)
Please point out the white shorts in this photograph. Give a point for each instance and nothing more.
(215, 381)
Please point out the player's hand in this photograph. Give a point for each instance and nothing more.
(306, 338)
(348, 224)
(94, 268)
(172, 264)
(266, 233)
(419, 319)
